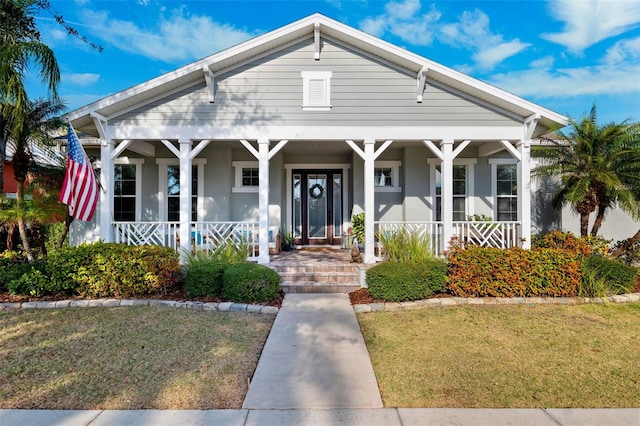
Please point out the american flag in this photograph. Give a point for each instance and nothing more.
(80, 187)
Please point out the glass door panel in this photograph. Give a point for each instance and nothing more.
(317, 205)
(337, 205)
(297, 205)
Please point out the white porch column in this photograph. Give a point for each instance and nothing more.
(185, 195)
(446, 175)
(524, 192)
(106, 194)
(263, 200)
(369, 201)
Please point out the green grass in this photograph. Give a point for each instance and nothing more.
(507, 356)
(128, 358)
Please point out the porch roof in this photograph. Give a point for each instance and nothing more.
(188, 75)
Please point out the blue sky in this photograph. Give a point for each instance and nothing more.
(562, 54)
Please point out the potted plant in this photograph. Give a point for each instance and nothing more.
(287, 240)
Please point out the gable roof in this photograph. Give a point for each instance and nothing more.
(303, 29)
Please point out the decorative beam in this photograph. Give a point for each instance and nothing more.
(171, 147)
(356, 148)
(316, 41)
(277, 148)
(209, 78)
(380, 150)
(433, 148)
(143, 148)
(460, 148)
(530, 124)
(198, 149)
(250, 148)
(512, 150)
(421, 82)
(121, 147)
(101, 124)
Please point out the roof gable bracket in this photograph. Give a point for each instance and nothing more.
(101, 124)
(530, 124)
(209, 78)
(421, 81)
(316, 41)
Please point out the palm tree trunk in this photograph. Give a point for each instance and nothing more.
(584, 225)
(22, 227)
(627, 244)
(598, 222)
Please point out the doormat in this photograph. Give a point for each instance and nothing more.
(316, 248)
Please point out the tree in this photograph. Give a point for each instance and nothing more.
(20, 47)
(35, 126)
(598, 167)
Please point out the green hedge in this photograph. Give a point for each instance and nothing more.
(205, 279)
(250, 283)
(398, 282)
(100, 270)
(492, 272)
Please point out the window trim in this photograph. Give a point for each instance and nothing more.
(394, 165)
(138, 162)
(163, 168)
(307, 76)
(238, 167)
(495, 162)
(470, 185)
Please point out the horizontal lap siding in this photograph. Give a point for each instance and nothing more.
(269, 91)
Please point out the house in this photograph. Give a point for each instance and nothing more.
(301, 128)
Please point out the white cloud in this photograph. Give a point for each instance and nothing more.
(587, 22)
(77, 79)
(178, 37)
(472, 32)
(405, 20)
(622, 51)
(545, 62)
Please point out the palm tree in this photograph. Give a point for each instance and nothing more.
(20, 47)
(35, 126)
(598, 167)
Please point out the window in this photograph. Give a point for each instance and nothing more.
(316, 90)
(127, 185)
(247, 176)
(386, 176)
(462, 187)
(504, 177)
(169, 185)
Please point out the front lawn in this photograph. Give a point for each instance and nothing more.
(128, 358)
(507, 356)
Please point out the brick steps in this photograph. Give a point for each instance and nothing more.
(318, 277)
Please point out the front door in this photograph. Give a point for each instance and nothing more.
(317, 207)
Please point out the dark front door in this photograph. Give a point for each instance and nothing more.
(317, 206)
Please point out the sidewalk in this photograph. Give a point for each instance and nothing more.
(314, 357)
(368, 417)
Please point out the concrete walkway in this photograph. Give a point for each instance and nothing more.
(314, 357)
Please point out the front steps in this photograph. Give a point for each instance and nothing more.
(310, 277)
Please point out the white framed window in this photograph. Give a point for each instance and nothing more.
(246, 176)
(316, 90)
(169, 189)
(504, 188)
(463, 188)
(386, 176)
(127, 189)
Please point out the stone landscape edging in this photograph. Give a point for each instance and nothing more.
(359, 308)
(459, 301)
(89, 303)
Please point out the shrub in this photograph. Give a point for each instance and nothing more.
(9, 269)
(205, 279)
(250, 283)
(631, 255)
(605, 277)
(31, 279)
(398, 282)
(567, 241)
(405, 246)
(482, 272)
(227, 252)
(114, 270)
(357, 223)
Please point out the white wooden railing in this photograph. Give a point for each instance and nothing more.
(487, 234)
(433, 230)
(204, 235)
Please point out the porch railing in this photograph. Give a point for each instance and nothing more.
(433, 230)
(487, 234)
(204, 235)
